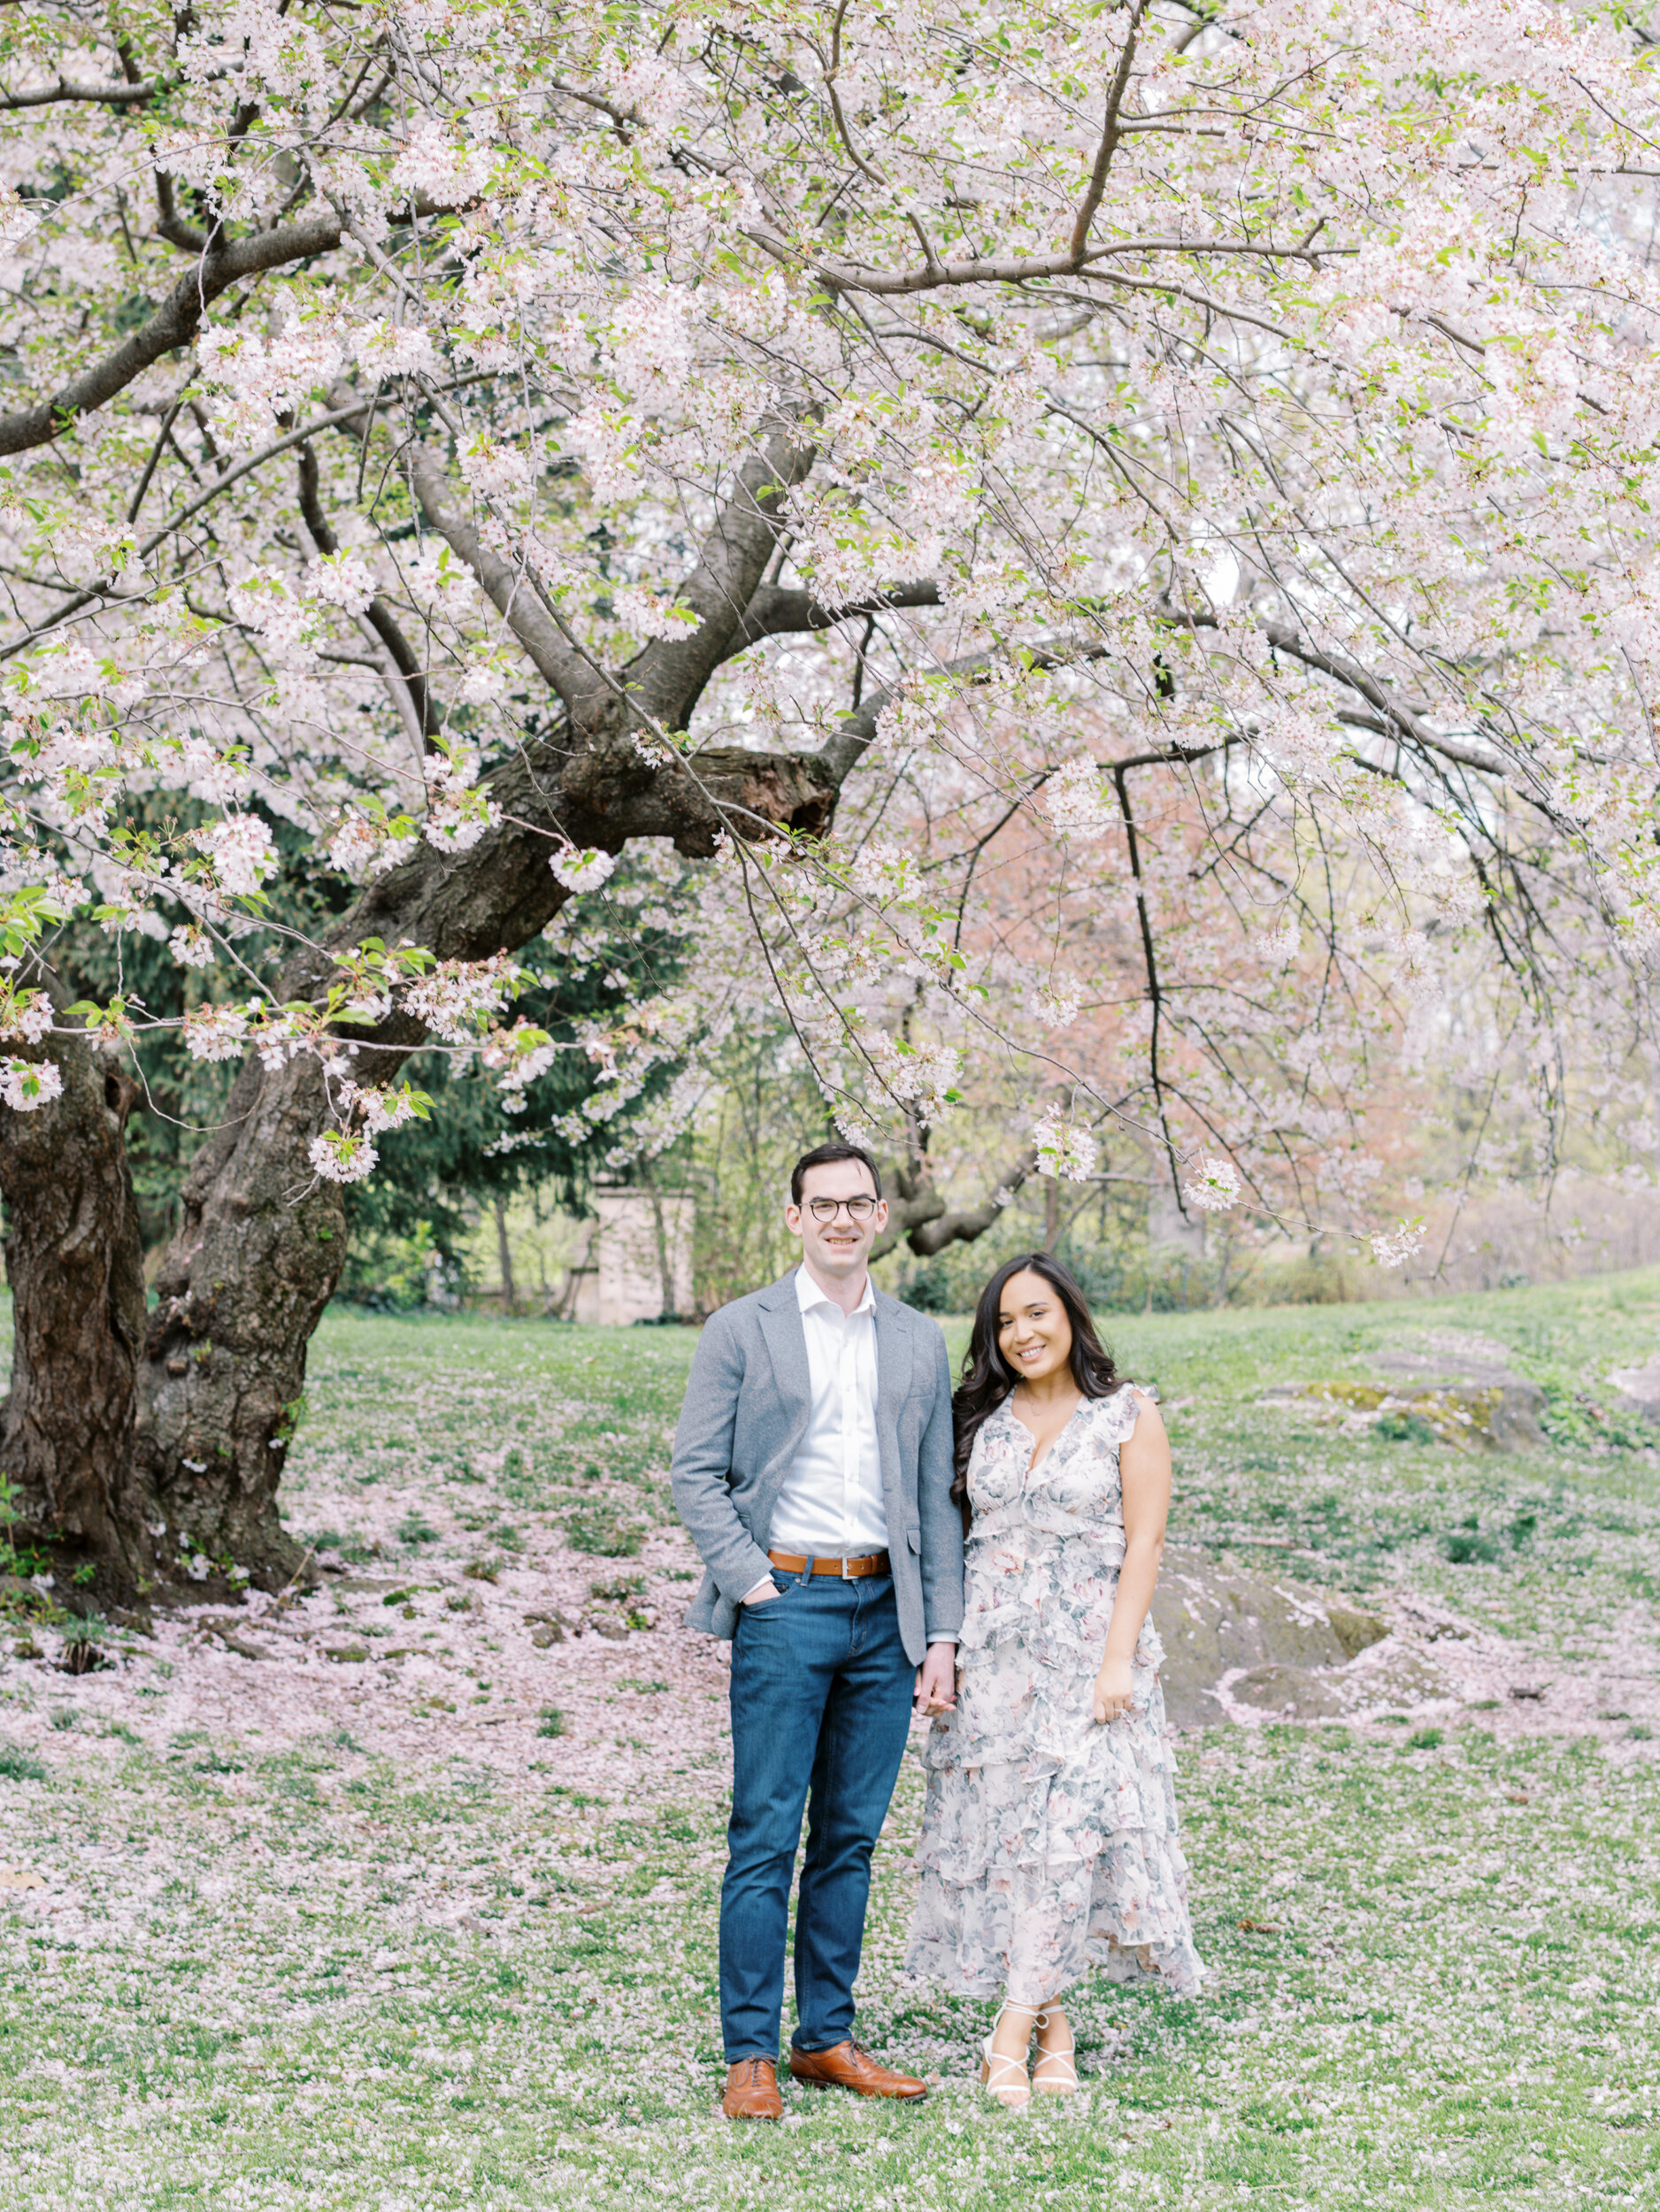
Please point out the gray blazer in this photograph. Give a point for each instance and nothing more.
(746, 1411)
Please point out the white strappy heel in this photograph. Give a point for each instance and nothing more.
(1003, 2077)
(1066, 2084)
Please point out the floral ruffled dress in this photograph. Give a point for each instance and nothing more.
(1049, 1843)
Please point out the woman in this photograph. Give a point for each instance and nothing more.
(1048, 1837)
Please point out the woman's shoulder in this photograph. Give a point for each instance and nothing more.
(1116, 1412)
(1122, 1385)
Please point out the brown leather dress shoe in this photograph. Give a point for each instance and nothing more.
(850, 2066)
(752, 2090)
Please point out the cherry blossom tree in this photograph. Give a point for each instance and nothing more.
(1115, 538)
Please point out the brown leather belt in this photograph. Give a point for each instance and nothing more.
(873, 1563)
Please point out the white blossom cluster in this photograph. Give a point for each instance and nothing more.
(1215, 1188)
(1063, 1148)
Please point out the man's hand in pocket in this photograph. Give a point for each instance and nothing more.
(760, 1594)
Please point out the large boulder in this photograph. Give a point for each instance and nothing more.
(1472, 1376)
(1242, 1645)
(1438, 1386)
(1638, 1387)
(1223, 1626)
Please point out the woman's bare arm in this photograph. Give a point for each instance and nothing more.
(1144, 1471)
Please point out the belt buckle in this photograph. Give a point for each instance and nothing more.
(847, 1575)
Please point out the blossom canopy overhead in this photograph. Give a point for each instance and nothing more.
(1118, 536)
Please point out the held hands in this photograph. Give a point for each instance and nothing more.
(936, 1680)
(1112, 1690)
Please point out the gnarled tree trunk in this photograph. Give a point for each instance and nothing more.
(241, 1289)
(76, 1262)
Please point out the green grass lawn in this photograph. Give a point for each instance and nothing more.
(293, 1951)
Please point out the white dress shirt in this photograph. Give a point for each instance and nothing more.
(830, 1504)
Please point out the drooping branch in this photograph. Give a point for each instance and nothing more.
(377, 613)
(1154, 996)
(225, 481)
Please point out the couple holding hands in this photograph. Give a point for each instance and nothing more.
(876, 1548)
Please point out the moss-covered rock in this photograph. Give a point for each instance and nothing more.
(1492, 1415)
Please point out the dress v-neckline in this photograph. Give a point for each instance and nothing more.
(1041, 1452)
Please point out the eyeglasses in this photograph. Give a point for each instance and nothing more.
(827, 1209)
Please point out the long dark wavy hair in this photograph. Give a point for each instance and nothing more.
(987, 1378)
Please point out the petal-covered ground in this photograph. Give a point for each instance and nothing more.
(400, 1894)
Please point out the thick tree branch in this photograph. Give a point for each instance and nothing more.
(659, 688)
(510, 589)
(962, 1224)
(1109, 133)
(853, 276)
(1394, 710)
(775, 611)
(669, 675)
(173, 324)
(1402, 720)
(916, 1213)
(114, 95)
(172, 226)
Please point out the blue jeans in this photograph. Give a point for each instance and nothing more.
(821, 1692)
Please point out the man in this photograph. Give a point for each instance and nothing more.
(813, 1465)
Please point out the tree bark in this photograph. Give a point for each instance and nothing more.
(505, 1255)
(242, 1286)
(919, 1214)
(74, 1258)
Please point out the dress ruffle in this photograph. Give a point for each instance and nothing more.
(1053, 1596)
(1049, 1843)
(1123, 1913)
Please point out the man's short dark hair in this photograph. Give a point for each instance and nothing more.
(828, 1155)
